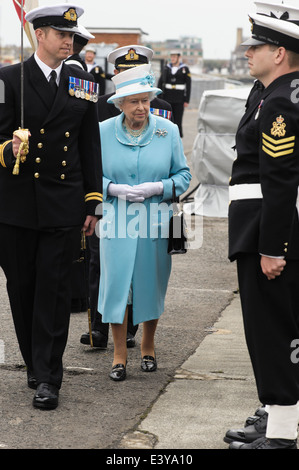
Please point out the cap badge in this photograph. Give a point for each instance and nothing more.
(278, 129)
(71, 15)
(132, 55)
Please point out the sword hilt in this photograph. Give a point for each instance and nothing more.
(23, 135)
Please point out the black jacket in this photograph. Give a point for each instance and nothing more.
(267, 144)
(61, 181)
(171, 84)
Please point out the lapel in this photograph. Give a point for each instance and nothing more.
(62, 96)
(251, 109)
(41, 87)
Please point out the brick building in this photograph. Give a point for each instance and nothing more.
(119, 36)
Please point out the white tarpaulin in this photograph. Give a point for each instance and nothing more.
(219, 115)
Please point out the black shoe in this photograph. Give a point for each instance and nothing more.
(252, 419)
(118, 372)
(250, 433)
(46, 397)
(148, 364)
(131, 343)
(31, 380)
(98, 339)
(265, 443)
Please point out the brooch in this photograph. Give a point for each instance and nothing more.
(161, 132)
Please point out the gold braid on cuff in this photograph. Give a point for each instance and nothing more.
(2, 147)
(23, 135)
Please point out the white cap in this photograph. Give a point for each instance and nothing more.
(134, 81)
(276, 24)
(62, 17)
(130, 56)
(90, 49)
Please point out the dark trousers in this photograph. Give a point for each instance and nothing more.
(271, 323)
(94, 279)
(37, 266)
(178, 112)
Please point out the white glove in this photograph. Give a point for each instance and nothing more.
(125, 191)
(150, 189)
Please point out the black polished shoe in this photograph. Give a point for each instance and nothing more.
(265, 443)
(118, 372)
(31, 380)
(148, 364)
(250, 433)
(98, 339)
(46, 397)
(131, 343)
(252, 419)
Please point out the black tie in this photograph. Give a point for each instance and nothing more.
(53, 83)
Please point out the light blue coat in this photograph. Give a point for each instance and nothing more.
(133, 247)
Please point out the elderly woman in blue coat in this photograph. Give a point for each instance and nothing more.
(142, 157)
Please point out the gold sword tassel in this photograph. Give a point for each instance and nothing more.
(23, 135)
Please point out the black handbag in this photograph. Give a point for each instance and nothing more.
(177, 241)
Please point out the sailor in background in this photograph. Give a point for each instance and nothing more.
(79, 272)
(92, 67)
(175, 81)
(80, 41)
(123, 58)
(264, 226)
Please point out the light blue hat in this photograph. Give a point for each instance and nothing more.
(134, 81)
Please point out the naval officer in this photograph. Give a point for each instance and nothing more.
(175, 81)
(263, 221)
(48, 196)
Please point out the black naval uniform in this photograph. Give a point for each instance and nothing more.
(263, 220)
(106, 111)
(77, 61)
(42, 210)
(100, 77)
(176, 90)
(79, 282)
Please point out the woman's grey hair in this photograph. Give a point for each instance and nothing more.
(119, 101)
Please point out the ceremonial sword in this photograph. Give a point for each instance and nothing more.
(21, 133)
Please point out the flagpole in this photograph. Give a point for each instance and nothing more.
(22, 64)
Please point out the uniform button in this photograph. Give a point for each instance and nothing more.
(42, 131)
(63, 163)
(285, 250)
(67, 134)
(38, 160)
(36, 175)
(62, 177)
(65, 149)
(133, 176)
(40, 145)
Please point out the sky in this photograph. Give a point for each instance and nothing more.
(214, 21)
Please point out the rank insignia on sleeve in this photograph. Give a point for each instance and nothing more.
(278, 148)
(279, 127)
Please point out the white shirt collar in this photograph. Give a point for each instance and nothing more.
(46, 69)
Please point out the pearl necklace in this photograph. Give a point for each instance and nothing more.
(133, 134)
